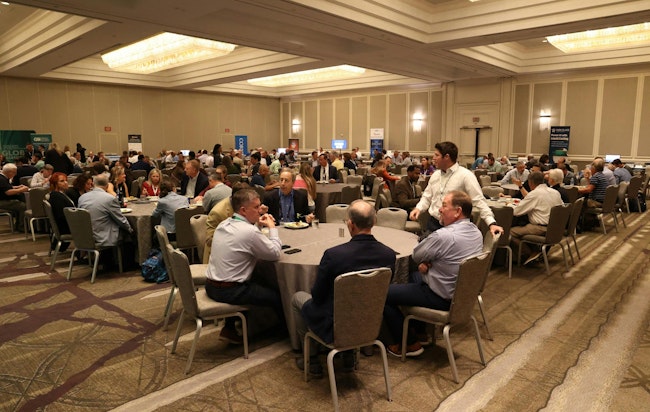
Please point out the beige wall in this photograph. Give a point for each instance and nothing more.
(78, 112)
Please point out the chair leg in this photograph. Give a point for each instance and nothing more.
(95, 264)
(31, 227)
(71, 262)
(450, 352)
(478, 340)
(306, 357)
(568, 246)
(119, 260)
(332, 377)
(519, 254)
(509, 251)
(575, 243)
(566, 262)
(615, 219)
(178, 331)
(54, 256)
(170, 305)
(485, 322)
(602, 223)
(545, 255)
(384, 358)
(197, 334)
(405, 331)
(244, 328)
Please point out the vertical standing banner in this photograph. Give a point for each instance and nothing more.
(376, 141)
(13, 142)
(241, 143)
(294, 144)
(558, 145)
(135, 142)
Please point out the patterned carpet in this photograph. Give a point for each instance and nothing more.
(573, 341)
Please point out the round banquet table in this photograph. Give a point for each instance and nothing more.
(142, 223)
(328, 194)
(296, 272)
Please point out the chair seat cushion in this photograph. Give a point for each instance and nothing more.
(412, 227)
(534, 238)
(431, 315)
(210, 308)
(198, 273)
(594, 210)
(66, 238)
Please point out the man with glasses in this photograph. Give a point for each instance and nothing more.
(286, 204)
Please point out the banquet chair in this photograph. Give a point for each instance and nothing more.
(490, 243)
(55, 233)
(381, 202)
(197, 271)
(554, 234)
(349, 194)
(260, 191)
(136, 185)
(139, 174)
(471, 278)
(343, 175)
(393, 217)
(198, 305)
(36, 212)
(359, 299)
(25, 180)
(198, 226)
(504, 216)
(621, 200)
(184, 236)
(81, 230)
(234, 178)
(355, 180)
(8, 214)
(491, 191)
(485, 180)
(336, 213)
(608, 208)
(572, 194)
(571, 227)
(633, 193)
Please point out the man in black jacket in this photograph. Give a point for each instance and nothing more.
(286, 204)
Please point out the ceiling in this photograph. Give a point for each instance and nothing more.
(401, 43)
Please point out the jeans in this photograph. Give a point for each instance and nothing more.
(414, 293)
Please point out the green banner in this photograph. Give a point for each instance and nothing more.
(41, 138)
(13, 142)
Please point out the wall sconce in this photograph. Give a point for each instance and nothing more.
(418, 121)
(544, 120)
(295, 126)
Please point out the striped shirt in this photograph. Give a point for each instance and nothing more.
(600, 182)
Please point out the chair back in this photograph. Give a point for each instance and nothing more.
(136, 185)
(503, 216)
(359, 299)
(139, 174)
(343, 175)
(381, 201)
(183, 277)
(633, 188)
(25, 180)
(377, 184)
(491, 191)
(557, 223)
(163, 242)
(355, 180)
(81, 227)
(260, 191)
(622, 192)
(572, 194)
(184, 236)
(389, 195)
(392, 217)
(471, 277)
(423, 183)
(485, 180)
(611, 198)
(350, 193)
(336, 213)
(199, 227)
(36, 197)
(575, 216)
(50, 217)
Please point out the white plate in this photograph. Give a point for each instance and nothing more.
(126, 210)
(152, 197)
(296, 225)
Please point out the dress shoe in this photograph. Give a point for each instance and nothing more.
(533, 258)
(315, 368)
(230, 335)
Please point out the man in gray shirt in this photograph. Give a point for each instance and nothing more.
(218, 192)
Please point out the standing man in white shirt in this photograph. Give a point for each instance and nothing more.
(450, 176)
(237, 245)
(537, 206)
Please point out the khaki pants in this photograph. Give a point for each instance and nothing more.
(518, 232)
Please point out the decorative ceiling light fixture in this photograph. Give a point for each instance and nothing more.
(164, 51)
(309, 76)
(602, 39)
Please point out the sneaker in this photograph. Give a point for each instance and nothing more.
(412, 350)
(315, 368)
(533, 258)
(230, 335)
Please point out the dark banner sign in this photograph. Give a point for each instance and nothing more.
(559, 142)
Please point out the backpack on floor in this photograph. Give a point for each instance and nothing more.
(153, 268)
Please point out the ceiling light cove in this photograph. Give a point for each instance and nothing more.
(309, 76)
(602, 39)
(164, 51)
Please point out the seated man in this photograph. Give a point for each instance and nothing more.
(193, 181)
(218, 192)
(363, 251)
(569, 178)
(23, 169)
(597, 185)
(12, 198)
(516, 176)
(237, 245)
(621, 174)
(324, 172)
(494, 166)
(555, 177)
(168, 203)
(524, 187)
(438, 257)
(42, 178)
(406, 195)
(288, 205)
(537, 206)
(109, 224)
(260, 179)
